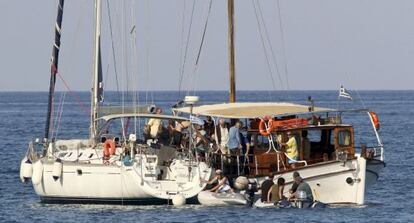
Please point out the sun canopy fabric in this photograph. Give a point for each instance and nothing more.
(250, 110)
(140, 115)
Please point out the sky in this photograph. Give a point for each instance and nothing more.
(361, 44)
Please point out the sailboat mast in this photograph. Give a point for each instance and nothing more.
(54, 68)
(230, 14)
(96, 72)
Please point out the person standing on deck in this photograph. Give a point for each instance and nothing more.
(222, 136)
(245, 139)
(209, 127)
(234, 139)
(291, 149)
(234, 145)
(155, 124)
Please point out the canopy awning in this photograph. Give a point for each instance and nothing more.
(113, 110)
(140, 115)
(250, 110)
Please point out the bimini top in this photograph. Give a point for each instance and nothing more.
(250, 110)
(141, 115)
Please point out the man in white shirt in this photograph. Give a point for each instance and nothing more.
(223, 136)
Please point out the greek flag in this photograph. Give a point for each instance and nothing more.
(344, 93)
(196, 120)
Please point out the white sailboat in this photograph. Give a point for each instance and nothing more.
(110, 166)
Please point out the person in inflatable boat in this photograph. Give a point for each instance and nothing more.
(223, 185)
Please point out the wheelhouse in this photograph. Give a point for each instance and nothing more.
(320, 135)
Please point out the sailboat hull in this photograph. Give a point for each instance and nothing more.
(118, 184)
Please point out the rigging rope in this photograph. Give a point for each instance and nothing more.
(282, 38)
(266, 34)
(186, 50)
(113, 47)
(264, 46)
(193, 78)
(59, 115)
(135, 94)
(180, 67)
(78, 99)
(147, 53)
(124, 63)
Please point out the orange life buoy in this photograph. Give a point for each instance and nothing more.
(109, 147)
(375, 120)
(262, 127)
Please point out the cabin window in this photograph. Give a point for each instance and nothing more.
(344, 138)
(314, 135)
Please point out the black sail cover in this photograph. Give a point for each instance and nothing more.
(54, 67)
(100, 94)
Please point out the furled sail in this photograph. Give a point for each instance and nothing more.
(100, 94)
(54, 67)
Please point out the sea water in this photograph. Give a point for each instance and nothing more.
(391, 199)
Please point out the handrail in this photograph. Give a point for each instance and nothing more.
(229, 161)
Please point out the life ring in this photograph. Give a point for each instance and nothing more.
(262, 127)
(375, 120)
(109, 148)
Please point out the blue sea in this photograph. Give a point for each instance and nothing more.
(23, 117)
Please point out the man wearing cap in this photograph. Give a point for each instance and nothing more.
(223, 185)
(291, 149)
(301, 186)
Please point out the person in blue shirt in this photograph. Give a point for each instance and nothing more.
(245, 139)
(234, 143)
(234, 146)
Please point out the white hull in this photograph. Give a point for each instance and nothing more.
(329, 181)
(96, 182)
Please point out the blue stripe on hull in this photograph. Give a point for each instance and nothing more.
(115, 201)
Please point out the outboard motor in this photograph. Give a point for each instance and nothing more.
(301, 198)
(250, 191)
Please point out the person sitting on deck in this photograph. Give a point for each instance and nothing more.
(275, 193)
(294, 185)
(302, 186)
(223, 185)
(291, 149)
(155, 124)
(265, 187)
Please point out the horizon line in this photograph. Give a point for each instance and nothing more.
(158, 90)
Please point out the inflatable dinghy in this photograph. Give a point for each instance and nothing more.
(280, 204)
(260, 204)
(221, 199)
